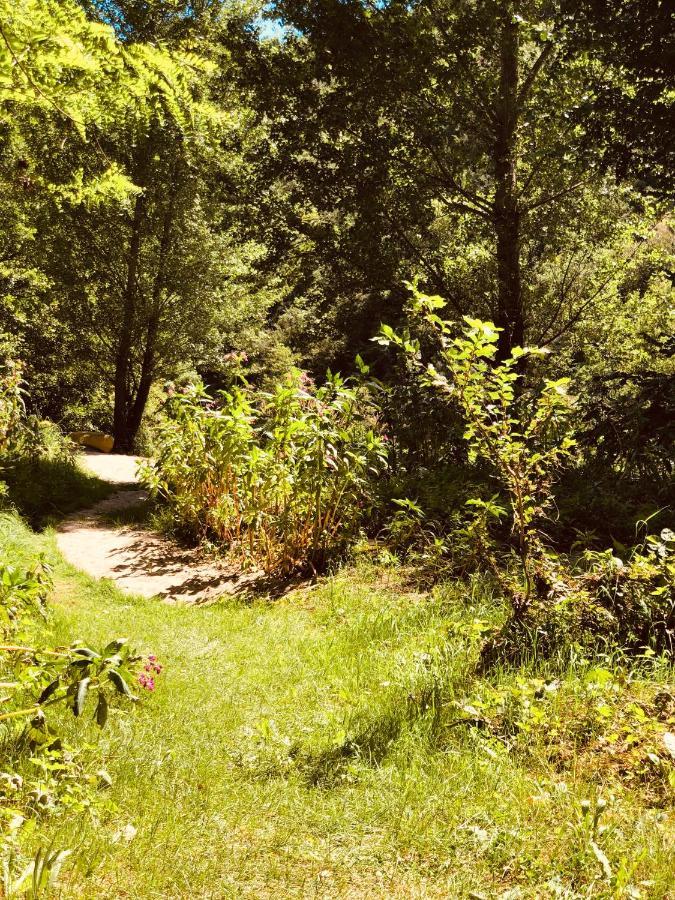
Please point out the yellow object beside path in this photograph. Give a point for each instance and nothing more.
(96, 439)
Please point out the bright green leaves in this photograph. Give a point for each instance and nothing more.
(283, 479)
(387, 336)
(54, 62)
(525, 437)
(53, 57)
(112, 186)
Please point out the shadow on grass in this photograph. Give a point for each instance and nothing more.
(44, 490)
(373, 740)
(141, 513)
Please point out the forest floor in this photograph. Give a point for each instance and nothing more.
(140, 561)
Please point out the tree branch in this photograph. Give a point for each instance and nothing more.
(574, 318)
(568, 190)
(531, 77)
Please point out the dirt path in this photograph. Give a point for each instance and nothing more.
(139, 561)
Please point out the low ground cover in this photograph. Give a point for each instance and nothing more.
(338, 743)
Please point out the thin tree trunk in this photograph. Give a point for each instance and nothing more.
(135, 415)
(124, 346)
(510, 315)
(136, 408)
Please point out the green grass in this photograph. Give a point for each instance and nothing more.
(310, 748)
(43, 490)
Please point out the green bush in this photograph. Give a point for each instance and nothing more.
(284, 480)
(608, 604)
(39, 476)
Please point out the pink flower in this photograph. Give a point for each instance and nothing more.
(151, 668)
(146, 681)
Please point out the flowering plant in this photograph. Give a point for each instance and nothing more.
(151, 668)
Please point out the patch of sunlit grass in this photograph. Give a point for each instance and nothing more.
(309, 747)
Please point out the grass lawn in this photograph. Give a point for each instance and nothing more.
(316, 746)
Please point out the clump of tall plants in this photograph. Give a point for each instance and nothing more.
(40, 774)
(284, 479)
(524, 435)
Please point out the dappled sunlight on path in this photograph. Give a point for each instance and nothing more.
(137, 560)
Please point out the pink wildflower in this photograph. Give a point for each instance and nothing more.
(151, 668)
(146, 681)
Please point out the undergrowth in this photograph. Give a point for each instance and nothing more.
(282, 480)
(338, 742)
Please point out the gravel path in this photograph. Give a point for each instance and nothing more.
(139, 561)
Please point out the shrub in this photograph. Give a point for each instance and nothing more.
(40, 774)
(610, 603)
(637, 596)
(525, 437)
(284, 479)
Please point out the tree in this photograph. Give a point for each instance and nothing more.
(168, 286)
(416, 131)
(71, 95)
(131, 205)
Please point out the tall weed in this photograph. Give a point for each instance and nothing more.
(283, 479)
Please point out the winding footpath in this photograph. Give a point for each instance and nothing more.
(139, 561)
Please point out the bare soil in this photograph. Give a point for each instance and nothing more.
(137, 560)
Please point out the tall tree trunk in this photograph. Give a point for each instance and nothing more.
(135, 407)
(506, 212)
(124, 346)
(135, 415)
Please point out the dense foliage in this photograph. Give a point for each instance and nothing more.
(284, 480)
(208, 208)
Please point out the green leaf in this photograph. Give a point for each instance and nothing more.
(363, 368)
(120, 684)
(86, 652)
(48, 691)
(81, 663)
